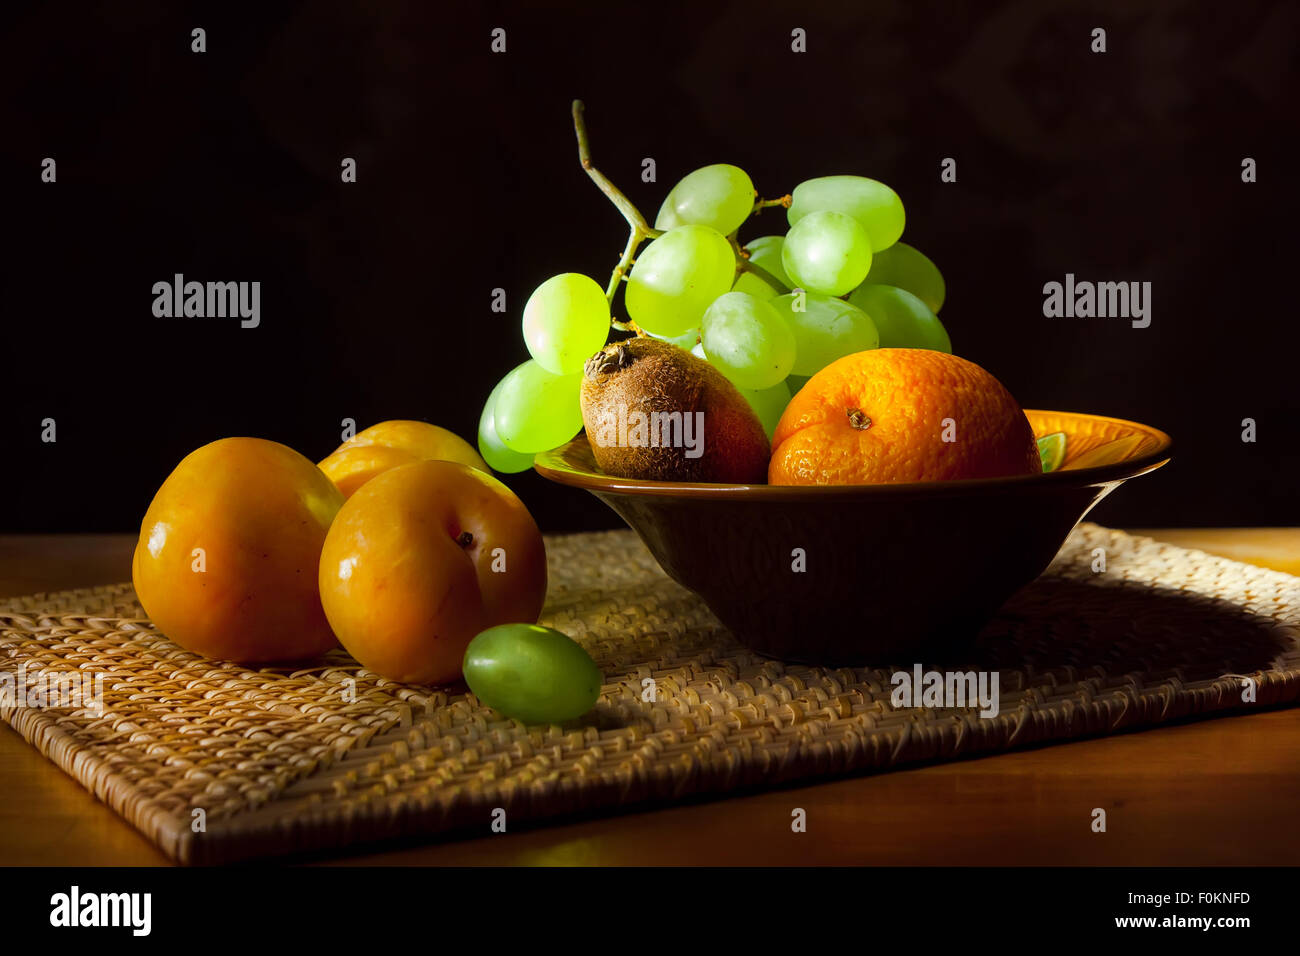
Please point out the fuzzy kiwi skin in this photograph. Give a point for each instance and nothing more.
(649, 376)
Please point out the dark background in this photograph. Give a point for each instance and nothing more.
(376, 296)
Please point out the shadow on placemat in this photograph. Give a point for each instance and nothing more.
(1125, 628)
(216, 762)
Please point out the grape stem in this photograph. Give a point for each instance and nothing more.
(634, 240)
(761, 204)
(744, 265)
(641, 230)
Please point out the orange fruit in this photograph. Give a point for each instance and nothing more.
(899, 415)
(226, 565)
(423, 557)
(380, 447)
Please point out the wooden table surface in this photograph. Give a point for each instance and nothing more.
(1215, 792)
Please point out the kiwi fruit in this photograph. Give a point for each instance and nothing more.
(655, 411)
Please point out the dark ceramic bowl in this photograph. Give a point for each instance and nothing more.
(891, 571)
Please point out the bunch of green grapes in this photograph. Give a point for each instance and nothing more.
(768, 314)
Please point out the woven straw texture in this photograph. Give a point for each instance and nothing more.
(285, 761)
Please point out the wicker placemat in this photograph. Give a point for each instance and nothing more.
(280, 761)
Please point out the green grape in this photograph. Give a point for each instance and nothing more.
(566, 321)
(534, 674)
(871, 203)
(698, 350)
(765, 252)
(826, 329)
(758, 288)
(676, 277)
(536, 410)
(490, 445)
(667, 218)
(826, 252)
(768, 404)
(796, 382)
(907, 268)
(903, 320)
(719, 196)
(747, 340)
(687, 340)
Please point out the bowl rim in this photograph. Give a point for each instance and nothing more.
(552, 466)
